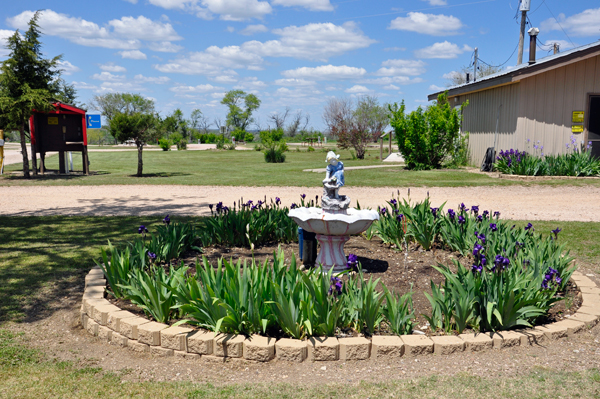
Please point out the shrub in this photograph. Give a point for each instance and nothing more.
(238, 134)
(310, 149)
(427, 138)
(165, 144)
(275, 151)
(249, 137)
(274, 135)
(182, 145)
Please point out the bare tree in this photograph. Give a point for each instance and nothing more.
(204, 124)
(355, 125)
(218, 122)
(456, 78)
(279, 118)
(298, 123)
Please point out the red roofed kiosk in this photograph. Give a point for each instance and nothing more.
(61, 130)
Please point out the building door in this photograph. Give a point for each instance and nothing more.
(594, 125)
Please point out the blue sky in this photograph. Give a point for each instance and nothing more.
(297, 53)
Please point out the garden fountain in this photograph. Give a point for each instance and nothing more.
(334, 222)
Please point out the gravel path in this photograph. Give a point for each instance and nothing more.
(514, 202)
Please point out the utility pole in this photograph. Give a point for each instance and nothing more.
(525, 5)
(475, 54)
(556, 48)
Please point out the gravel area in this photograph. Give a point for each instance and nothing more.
(514, 202)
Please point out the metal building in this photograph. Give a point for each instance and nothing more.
(547, 100)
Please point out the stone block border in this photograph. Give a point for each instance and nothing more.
(109, 323)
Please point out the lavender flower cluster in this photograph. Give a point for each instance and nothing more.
(511, 156)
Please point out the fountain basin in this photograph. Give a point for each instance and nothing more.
(333, 230)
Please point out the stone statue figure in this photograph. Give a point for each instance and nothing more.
(334, 179)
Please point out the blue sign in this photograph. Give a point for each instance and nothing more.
(93, 121)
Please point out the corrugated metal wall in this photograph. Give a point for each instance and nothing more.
(538, 108)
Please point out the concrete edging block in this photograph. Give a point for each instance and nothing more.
(201, 342)
(415, 345)
(175, 338)
(477, 342)
(149, 333)
(356, 348)
(229, 345)
(323, 348)
(291, 350)
(259, 348)
(129, 327)
(386, 346)
(448, 344)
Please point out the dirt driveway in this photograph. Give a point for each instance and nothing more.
(514, 202)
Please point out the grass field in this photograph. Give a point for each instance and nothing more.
(40, 257)
(248, 168)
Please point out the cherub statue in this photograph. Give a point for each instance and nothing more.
(334, 176)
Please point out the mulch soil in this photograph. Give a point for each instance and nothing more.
(400, 271)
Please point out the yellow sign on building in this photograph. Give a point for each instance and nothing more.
(577, 129)
(53, 120)
(578, 117)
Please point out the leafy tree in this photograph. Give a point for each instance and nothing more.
(239, 117)
(27, 82)
(427, 138)
(141, 127)
(111, 104)
(355, 125)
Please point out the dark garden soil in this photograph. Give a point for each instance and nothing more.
(398, 270)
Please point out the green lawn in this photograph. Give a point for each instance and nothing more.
(248, 168)
(43, 258)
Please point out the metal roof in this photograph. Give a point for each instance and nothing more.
(518, 72)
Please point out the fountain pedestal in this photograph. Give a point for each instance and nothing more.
(332, 252)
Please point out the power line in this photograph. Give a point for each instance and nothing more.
(498, 66)
(559, 24)
(537, 7)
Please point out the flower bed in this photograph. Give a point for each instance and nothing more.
(578, 161)
(512, 278)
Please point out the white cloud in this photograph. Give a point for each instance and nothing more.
(123, 34)
(172, 4)
(586, 23)
(207, 88)
(165, 47)
(313, 5)
(108, 77)
(67, 68)
(315, 41)
(84, 86)
(151, 79)
(230, 29)
(395, 80)
(294, 82)
(391, 87)
(401, 67)
(111, 67)
(358, 89)
(428, 24)
(131, 1)
(120, 87)
(444, 50)
(238, 10)
(144, 29)
(133, 55)
(212, 61)
(250, 83)
(4, 35)
(252, 29)
(436, 2)
(436, 88)
(451, 75)
(325, 72)
(224, 79)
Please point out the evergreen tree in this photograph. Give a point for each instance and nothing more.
(27, 82)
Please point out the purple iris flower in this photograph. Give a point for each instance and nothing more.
(167, 220)
(399, 217)
(475, 209)
(142, 230)
(462, 207)
(393, 202)
(479, 218)
(302, 196)
(293, 206)
(211, 207)
(529, 227)
(555, 232)
(383, 211)
(151, 255)
(461, 219)
(434, 211)
(485, 213)
(451, 214)
(277, 200)
(493, 226)
(476, 268)
(496, 214)
(335, 288)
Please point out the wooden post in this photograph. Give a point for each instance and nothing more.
(381, 148)
(42, 163)
(86, 166)
(61, 162)
(34, 159)
(391, 134)
(1, 151)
